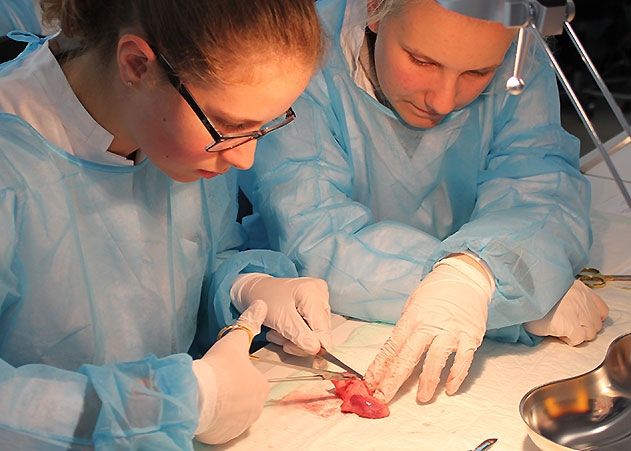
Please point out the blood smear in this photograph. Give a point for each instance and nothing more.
(323, 405)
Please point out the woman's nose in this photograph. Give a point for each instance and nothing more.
(241, 157)
(442, 98)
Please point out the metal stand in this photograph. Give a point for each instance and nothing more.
(579, 108)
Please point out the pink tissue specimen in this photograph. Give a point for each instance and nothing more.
(355, 395)
(357, 398)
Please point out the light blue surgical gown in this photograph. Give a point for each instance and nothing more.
(102, 269)
(356, 197)
(19, 15)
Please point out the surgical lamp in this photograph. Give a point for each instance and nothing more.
(541, 18)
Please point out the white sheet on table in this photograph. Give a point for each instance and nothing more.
(488, 402)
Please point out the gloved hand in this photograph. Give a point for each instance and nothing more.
(576, 318)
(231, 390)
(446, 313)
(297, 309)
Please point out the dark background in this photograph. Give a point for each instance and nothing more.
(604, 28)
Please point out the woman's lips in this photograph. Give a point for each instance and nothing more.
(426, 115)
(422, 112)
(207, 174)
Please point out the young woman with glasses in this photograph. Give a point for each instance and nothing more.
(119, 244)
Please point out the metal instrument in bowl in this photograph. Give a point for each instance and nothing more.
(587, 412)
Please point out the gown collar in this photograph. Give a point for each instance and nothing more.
(47, 102)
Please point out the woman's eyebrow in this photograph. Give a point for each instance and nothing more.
(486, 69)
(421, 55)
(231, 121)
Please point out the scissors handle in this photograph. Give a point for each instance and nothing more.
(593, 278)
(592, 281)
(589, 272)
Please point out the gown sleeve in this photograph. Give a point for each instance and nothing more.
(150, 403)
(305, 200)
(19, 15)
(531, 220)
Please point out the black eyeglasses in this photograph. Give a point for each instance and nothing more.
(227, 141)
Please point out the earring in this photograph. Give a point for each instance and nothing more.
(130, 83)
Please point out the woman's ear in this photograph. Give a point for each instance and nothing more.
(132, 54)
(374, 27)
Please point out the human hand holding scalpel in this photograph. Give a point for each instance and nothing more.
(298, 310)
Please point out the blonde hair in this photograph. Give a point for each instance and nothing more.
(378, 9)
(204, 40)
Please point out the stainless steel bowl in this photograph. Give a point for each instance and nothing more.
(586, 412)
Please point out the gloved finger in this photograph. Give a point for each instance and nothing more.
(572, 340)
(599, 306)
(590, 295)
(592, 323)
(589, 332)
(588, 316)
(437, 355)
(574, 336)
(312, 302)
(379, 365)
(290, 348)
(390, 350)
(460, 367)
(603, 308)
(595, 322)
(252, 318)
(402, 365)
(595, 310)
(274, 337)
(572, 330)
(294, 328)
(326, 339)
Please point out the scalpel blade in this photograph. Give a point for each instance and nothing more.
(326, 355)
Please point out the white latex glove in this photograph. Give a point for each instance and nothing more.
(446, 313)
(576, 318)
(231, 390)
(297, 309)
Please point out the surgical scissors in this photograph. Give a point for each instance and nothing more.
(593, 278)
